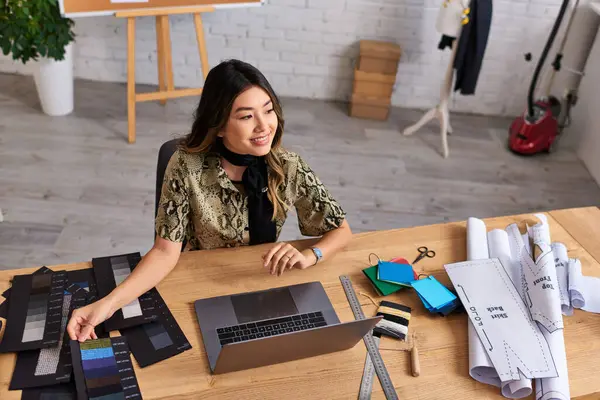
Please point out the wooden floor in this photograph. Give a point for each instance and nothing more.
(71, 188)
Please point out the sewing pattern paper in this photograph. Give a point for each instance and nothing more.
(499, 247)
(541, 284)
(497, 317)
(556, 388)
(561, 260)
(540, 275)
(480, 366)
(576, 290)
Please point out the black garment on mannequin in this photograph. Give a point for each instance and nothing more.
(471, 46)
(446, 41)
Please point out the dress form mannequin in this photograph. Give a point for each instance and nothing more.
(449, 23)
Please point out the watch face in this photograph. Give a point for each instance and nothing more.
(317, 253)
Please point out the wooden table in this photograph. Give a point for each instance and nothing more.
(442, 341)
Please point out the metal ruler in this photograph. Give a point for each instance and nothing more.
(366, 384)
(374, 359)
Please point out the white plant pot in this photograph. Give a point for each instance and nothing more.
(54, 83)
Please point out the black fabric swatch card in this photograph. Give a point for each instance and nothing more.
(34, 312)
(6, 294)
(159, 340)
(4, 309)
(4, 304)
(85, 279)
(110, 272)
(50, 366)
(103, 367)
(63, 391)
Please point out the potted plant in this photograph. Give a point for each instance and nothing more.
(35, 30)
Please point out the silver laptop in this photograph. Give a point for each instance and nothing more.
(254, 329)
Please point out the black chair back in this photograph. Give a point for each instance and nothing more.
(164, 155)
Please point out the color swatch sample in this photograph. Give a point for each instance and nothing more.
(51, 366)
(100, 369)
(86, 280)
(435, 296)
(103, 370)
(159, 340)
(400, 274)
(63, 391)
(48, 358)
(34, 312)
(121, 270)
(383, 288)
(84, 285)
(6, 293)
(159, 337)
(35, 323)
(110, 272)
(39, 271)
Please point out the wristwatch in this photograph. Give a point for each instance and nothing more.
(318, 254)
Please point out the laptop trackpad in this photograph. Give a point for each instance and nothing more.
(269, 304)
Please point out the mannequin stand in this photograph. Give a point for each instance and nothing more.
(440, 111)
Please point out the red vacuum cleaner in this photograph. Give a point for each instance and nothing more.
(537, 130)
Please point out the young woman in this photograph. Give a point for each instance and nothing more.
(230, 184)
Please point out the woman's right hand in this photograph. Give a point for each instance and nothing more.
(85, 319)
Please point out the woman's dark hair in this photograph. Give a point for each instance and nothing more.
(222, 86)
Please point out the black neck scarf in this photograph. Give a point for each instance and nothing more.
(255, 181)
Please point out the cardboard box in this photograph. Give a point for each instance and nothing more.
(373, 84)
(378, 56)
(369, 107)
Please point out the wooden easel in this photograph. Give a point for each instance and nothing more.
(165, 61)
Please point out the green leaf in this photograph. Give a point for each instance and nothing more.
(5, 47)
(30, 28)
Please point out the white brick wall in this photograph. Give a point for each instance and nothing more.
(307, 48)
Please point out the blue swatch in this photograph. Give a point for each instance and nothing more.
(84, 285)
(425, 303)
(92, 354)
(433, 294)
(401, 274)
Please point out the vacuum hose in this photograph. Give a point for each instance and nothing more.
(540, 64)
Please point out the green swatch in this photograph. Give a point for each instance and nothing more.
(383, 288)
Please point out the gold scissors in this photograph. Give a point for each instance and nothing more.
(425, 252)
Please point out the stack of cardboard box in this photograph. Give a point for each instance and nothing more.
(374, 79)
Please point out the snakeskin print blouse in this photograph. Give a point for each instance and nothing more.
(201, 205)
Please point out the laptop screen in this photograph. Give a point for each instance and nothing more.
(269, 304)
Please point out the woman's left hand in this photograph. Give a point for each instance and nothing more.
(284, 256)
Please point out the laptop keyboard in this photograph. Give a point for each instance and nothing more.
(270, 327)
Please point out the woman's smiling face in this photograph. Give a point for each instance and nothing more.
(252, 123)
